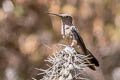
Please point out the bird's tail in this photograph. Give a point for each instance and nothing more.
(93, 60)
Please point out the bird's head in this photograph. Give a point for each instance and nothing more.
(66, 18)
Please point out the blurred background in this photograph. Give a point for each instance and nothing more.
(25, 29)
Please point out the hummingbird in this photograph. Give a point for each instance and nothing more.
(69, 31)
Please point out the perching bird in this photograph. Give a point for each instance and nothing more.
(68, 30)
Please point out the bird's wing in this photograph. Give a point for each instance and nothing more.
(78, 38)
(80, 42)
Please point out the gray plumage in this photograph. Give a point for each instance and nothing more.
(68, 30)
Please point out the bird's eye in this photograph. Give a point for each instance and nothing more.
(67, 16)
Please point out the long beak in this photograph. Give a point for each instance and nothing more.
(54, 14)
